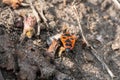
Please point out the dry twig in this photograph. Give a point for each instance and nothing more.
(36, 15)
(41, 12)
(94, 51)
(64, 3)
(116, 3)
(24, 4)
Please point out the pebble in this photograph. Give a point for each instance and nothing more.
(52, 24)
(115, 46)
(37, 42)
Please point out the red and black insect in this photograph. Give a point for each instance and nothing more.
(68, 41)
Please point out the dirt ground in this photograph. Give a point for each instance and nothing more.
(100, 20)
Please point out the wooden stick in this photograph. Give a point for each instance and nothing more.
(116, 3)
(94, 51)
(36, 15)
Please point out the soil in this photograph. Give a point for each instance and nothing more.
(100, 20)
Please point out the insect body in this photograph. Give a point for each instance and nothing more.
(68, 41)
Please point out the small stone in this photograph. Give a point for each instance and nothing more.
(37, 42)
(115, 46)
(52, 24)
(106, 17)
(49, 16)
(100, 38)
(88, 57)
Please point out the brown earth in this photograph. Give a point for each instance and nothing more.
(100, 20)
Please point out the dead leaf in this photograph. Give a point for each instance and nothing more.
(13, 3)
(52, 48)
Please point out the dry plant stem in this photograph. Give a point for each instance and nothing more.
(102, 62)
(94, 51)
(78, 20)
(64, 3)
(41, 12)
(24, 4)
(36, 15)
(116, 3)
